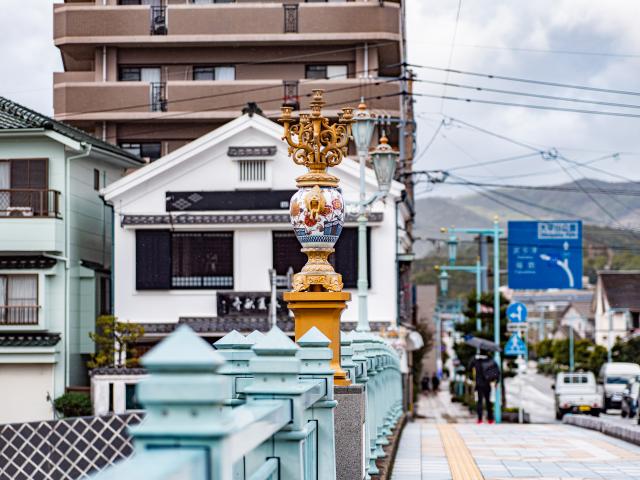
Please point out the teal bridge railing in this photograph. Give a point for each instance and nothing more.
(259, 407)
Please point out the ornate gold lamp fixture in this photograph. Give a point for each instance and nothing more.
(317, 208)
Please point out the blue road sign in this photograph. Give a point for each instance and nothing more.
(515, 346)
(517, 313)
(545, 254)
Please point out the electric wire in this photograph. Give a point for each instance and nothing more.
(526, 94)
(527, 105)
(525, 80)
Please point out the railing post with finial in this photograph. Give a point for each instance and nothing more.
(315, 357)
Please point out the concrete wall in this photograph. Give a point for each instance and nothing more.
(25, 388)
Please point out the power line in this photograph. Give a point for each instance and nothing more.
(451, 50)
(342, 102)
(525, 80)
(226, 94)
(526, 94)
(492, 162)
(525, 105)
(553, 188)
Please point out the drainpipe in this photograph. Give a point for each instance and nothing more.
(86, 151)
(104, 79)
(365, 54)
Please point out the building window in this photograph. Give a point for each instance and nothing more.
(184, 260)
(96, 179)
(252, 171)
(286, 255)
(221, 72)
(345, 258)
(208, 2)
(202, 260)
(140, 74)
(19, 300)
(24, 187)
(150, 151)
(323, 72)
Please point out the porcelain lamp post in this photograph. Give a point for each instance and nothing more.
(317, 217)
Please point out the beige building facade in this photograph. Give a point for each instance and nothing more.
(153, 75)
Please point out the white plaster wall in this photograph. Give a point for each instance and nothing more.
(25, 388)
(212, 170)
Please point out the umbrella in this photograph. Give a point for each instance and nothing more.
(481, 343)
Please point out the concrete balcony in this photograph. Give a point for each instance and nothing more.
(203, 100)
(31, 234)
(249, 23)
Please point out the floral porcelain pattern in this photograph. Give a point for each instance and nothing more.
(317, 216)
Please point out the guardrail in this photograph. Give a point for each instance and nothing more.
(260, 407)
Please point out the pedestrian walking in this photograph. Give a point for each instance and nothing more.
(435, 383)
(426, 383)
(485, 371)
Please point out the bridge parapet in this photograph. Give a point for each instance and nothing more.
(259, 407)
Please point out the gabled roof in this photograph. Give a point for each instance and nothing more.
(220, 134)
(14, 116)
(582, 307)
(621, 288)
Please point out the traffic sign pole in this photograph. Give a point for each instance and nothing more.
(496, 318)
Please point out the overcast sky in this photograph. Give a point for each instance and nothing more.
(580, 42)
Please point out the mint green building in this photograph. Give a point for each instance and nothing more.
(55, 255)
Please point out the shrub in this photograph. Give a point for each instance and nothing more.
(74, 404)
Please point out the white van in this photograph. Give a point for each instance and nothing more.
(614, 377)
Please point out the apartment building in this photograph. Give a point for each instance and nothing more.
(153, 75)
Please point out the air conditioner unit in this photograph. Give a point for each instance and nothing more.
(20, 211)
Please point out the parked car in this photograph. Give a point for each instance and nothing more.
(577, 393)
(629, 406)
(614, 377)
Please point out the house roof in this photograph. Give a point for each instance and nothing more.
(29, 339)
(220, 134)
(582, 307)
(14, 116)
(223, 325)
(622, 288)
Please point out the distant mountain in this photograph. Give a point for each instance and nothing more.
(594, 202)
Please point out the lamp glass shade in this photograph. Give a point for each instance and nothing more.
(362, 128)
(385, 160)
(444, 282)
(452, 245)
(384, 165)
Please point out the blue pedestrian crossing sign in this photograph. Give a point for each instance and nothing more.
(517, 313)
(515, 346)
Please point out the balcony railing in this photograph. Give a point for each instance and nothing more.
(19, 315)
(158, 97)
(17, 202)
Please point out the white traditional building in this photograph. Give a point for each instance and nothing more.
(197, 231)
(616, 304)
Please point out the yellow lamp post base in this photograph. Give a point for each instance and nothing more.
(321, 310)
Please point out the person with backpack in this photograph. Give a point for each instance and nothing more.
(485, 371)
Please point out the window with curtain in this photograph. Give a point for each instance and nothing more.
(220, 72)
(322, 72)
(19, 299)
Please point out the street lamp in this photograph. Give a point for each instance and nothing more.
(384, 164)
(444, 282)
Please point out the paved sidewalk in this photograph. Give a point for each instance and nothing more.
(434, 450)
